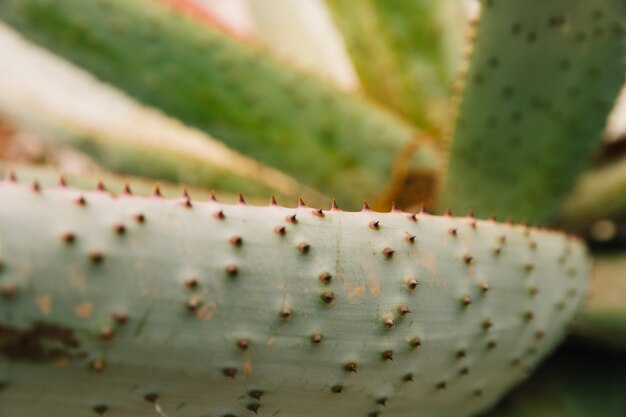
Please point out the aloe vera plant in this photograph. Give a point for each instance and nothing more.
(118, 305)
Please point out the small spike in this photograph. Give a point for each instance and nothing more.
(100, 186)
(468, 259)
(448, 212)
(280, 230)
(470, 214)
(140, 218)
(409, 238)
(157, 191)
(452, 232)
(219, 215)
(36, 187)
(350, 367)
(387, 355)
(240, 199)
(191, 283)
(316, 338)
(403, 310)
(236, 241)
(388, 253)
(256, 394)
(325, 278)
(442, 385)
(327, 297)
(388, 322)
(231, 270)
(96, 257)
(487, 324)
(334, 206)
(382, 401)
(407, 378)
(412, 217)
(11, 177)
(254, 407)
(243, 344)
(415, 342)
(193, 304)
(484, 286)
(127, 190)
(318, 212)
(273, 202)
(62, 182)
(412, 283)
(291, 219)
(120, 317)
(229, 372)
(337, 389)
(374, 225)
(151, 397)
(285, 313)
(119, 229)
(366, 206)
(100, 409)
(465, 301)
(461, 353)
(80, 200)
(394, 208)
(423, 210)
(304, 247)
(68, 237)
(212, 197)
(186, 193)
(301, 202)
(107, 334)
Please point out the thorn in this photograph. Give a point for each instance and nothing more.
(382, 401)
(304, 247)
(191, 283)
(409, 238)
(334, 205)
(452, 232)
(337, 389)
(243, 344)
(528, 266)
(464, 371)
(465, 301)
(473, 224)
(96, 257)
(291, 219)
(316, 338)
(468, 259)
(127, 190)
(157, 191)
(318, 212)
(461, 354)
(366, 206)
(229, 372)
(528, 316)
(100, 186)
(448, 212)
(11, 177)
(470, 214)
(151, 397)
(325, 278)
(140, 218)
(403, 310)
(487, 324)
(484, 286)
(186, 193)
(408, 378)
(241, 200)
(350, 367)
(387, 355)
(285, 313)
(280, 230)
(415, 342)
(219, 215)
(388, 253)
(493, 217)
(106, 334)
(256, 394)
(491, 345)
(193, 304)
(388, 322)
(187, 202)
(36, 187)
(212, 197)
(301, 202)
(497, 250)
(119, 229)
(412, 217)
(236, 241)
(231, 270)
(374, 225)
(119, 317)
(81, 201)
(253, 407)
(394, 208)
(533, 290)
(412, 283)
(328, 297)
(423, 209)
(273, 202)
(68, 237)
(62, 182)
(442, 385)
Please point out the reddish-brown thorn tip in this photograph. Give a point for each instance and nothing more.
(382, 401)
(304, 247)
(280, 230)
(468, 259)
(452, 232)
(409, 238)
(96, 257)
(334, 205)
(388, 322)
(191, 283)
(415, 342)
(366, 206)
(100, 409)
(151, 397)
(186, 193)
(241, 200)
(423, 209)
(388, 253)
(394, 208)
(285, 313)
(448, 212)
(407, 378)
(119, 229)
(273, 202)
(231, 270)
(127, 190)
(193, 304)
(100, 186)
(318, 212)
(140, 218)
(412, 217)
(325, 278)
(157, 191)
(107, 333)
(119, 317)
(465, 301)
(219, 215)
(36, 187)
(403, 310)
(316, 338)
(68, 237)
(212, 197)
(387, 355)
(412, 283)
(493, 217)
(291, 219)
(350, 367)
(470, 214)
(62, 182)
(374, 224)
(236, 241)
(301, 202)
(327, 297)
(11, 177)
(243, 344)
(337, 388)
(484, 286)
(80, 200)
(487, 324)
